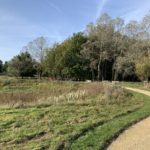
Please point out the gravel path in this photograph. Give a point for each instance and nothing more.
(136, 137)
(139, 91)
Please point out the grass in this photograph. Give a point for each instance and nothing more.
(107, 132)
(18, 92)
(139, 85)
(86, 116)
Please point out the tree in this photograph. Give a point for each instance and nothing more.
(145, 26)
(143, 68)
(100, 49)
(22, 65)
(74, 65)
(50, 62)
(118, 24)
(64, 60)
(124, 67)
(1, 66)
(107, 50)
(5, 67)
(37, 49)
(132, 29)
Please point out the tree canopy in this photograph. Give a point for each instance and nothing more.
(107, 50)
(1, 66)
(22, 65)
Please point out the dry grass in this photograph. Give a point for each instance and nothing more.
(23, 93)
(114, 93)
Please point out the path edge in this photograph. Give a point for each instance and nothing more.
(117, 134)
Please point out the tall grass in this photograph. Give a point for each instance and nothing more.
(30, 92)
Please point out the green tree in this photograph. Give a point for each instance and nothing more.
(64, 60)
(22, 65)
(124, 67)
(102, 46)
(143, 68)
(1, 66)
(107, 50)
(5, 67)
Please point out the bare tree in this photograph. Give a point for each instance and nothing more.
(37, 49)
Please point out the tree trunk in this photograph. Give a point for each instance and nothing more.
(105, 70)
(99, 70)
(102, 71)
(93, 75)
(115, 76)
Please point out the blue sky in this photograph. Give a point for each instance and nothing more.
(21, 21)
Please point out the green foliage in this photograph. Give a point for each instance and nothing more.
(64, 60)
(1, 66)
(108, 50)
(100, 136)
(143, 68)
(5, 67)
(124, 67)
(22, 65)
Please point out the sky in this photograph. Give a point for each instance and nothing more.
(21, 21)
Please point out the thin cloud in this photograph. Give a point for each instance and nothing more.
(137, 12)
(8, 17)
(54, 6)
(101, 6)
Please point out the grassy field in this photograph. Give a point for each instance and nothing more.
(43, 115)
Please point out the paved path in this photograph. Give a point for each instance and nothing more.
(136, 137)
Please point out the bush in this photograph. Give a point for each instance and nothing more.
(114, 94)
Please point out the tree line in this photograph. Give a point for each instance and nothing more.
(109, 49)
(3, 67)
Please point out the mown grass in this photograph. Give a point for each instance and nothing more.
(86, 122)
(52, 126)
(102, 136)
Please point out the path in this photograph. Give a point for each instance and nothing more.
(139, 91)
(137, 137)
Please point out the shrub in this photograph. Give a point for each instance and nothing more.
(114, 94)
